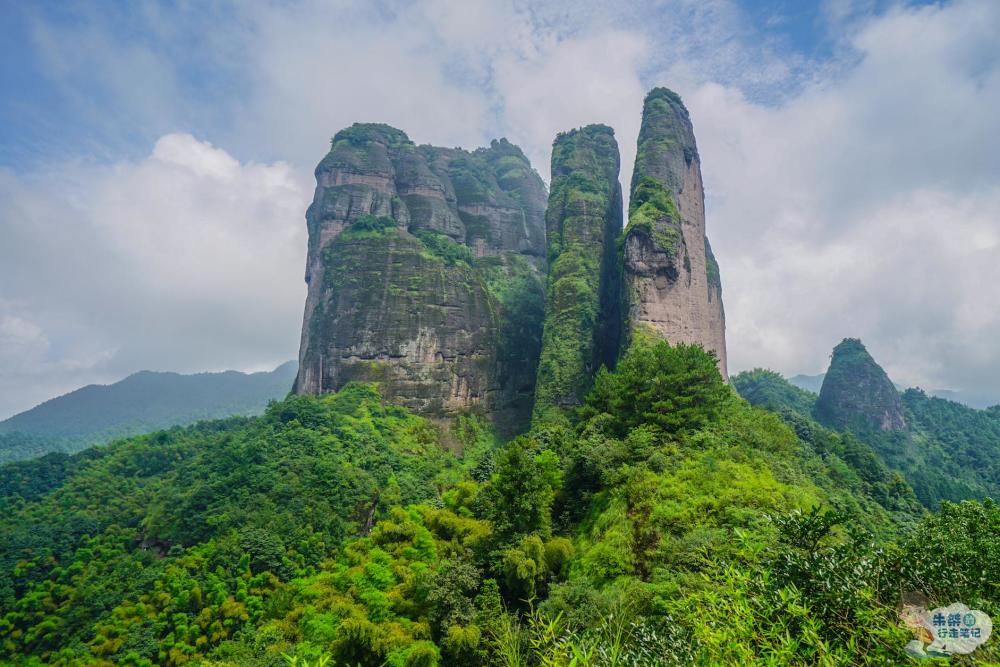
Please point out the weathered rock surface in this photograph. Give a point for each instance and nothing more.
(425, 273)
(672, 281)
(583, 222)
(857, 394)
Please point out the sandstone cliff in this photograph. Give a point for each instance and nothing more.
(857, 394)
(672, 281)
(425, 273)
(583, 222)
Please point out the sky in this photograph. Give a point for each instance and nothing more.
(156, 163)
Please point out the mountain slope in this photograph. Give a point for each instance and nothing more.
(340, 525)
(769, 390)
(143, 514)
(946, 451)
(140, 403)
(855, 461)
(956, 449)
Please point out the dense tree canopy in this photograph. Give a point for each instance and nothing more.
(669, 522)
(948, 451)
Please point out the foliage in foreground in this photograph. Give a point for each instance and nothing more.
(682, 526)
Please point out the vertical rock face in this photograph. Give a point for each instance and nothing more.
(425, 273)
(671, 277)
(857, 394)
(583, 222)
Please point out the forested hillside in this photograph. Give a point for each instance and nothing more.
(670, 523)
(946, 452)
(521, 427)
(955, 449)
(140, 403)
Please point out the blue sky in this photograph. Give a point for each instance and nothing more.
(80, 71)
(156, 159)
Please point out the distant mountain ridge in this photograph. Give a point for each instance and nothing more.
(142, 402)
(811, 383)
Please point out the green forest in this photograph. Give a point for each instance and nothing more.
(667, 521)
(423, 333)
(947, 452)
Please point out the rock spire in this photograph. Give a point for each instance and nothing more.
(672, 281)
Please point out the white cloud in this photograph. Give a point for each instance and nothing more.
(571, 83)
(867, 205)
(21, 343)
(855, 196)
(318, 67)
(187, 260)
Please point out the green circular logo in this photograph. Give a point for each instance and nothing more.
(969, 620)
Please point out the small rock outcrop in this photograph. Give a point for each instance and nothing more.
(583, 222)
(672, 282)
(425, 273)
(857, 394)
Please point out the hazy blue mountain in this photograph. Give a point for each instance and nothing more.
(814, 383)
(808, 382)
(142, 402)
(972, 400)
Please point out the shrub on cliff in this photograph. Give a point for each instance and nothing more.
(673, 388)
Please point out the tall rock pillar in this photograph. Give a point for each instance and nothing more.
(672, 282)
(583, 222)
(426, 274)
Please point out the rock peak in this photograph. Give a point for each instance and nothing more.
(583, 222)
(673, 283)
(857, 394)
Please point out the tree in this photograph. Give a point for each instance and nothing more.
(675, 388)
(518, 499)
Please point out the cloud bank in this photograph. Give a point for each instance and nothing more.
(868, 205)
(187, 260)
(851, 192)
